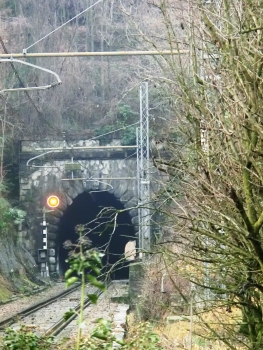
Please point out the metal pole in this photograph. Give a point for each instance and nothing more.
(94, 54)
(44, 231)
(143, 170)
(83, 147)
(138, 139)
(99, 178)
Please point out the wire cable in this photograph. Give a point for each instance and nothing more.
(13, 111)
(62, 25)
(18, 77)
(110, 132)
(97, 137)
(39, 113)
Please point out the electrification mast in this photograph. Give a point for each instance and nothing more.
(143, 172)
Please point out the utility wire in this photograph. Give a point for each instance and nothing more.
(18, 77)
(62, 25)
(39, 113)
(9, 106)
(110, 132)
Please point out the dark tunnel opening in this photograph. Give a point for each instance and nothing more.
(84, 209)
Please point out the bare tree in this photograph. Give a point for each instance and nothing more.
(214, 216)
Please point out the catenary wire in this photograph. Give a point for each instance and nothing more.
(62, 25)
(110, 132)
(39, 113)
(97, 137)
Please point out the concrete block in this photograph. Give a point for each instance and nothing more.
(51, 244)
(131, 204)
(53, 220)
(52, 260)
(24, 181)
(52, 228)
(136, 273)
(51, 236)
(135, 220)
(174, 319)
(26, 186)
(52, 252)
(57, 213)
(52, 268)
(122, 299)
(119, 320)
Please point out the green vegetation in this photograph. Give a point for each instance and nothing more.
(25, 338)
(124, 117)
(4, 291)
(9, 217)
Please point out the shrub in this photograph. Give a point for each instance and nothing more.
(24, 338)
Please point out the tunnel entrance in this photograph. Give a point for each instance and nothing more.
(86, 209)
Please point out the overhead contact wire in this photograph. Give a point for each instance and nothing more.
(62, 25)
(26, 93)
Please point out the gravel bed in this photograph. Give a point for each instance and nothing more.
(44, 318)
(10, 309)
(105, 308)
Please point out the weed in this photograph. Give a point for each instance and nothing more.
(25, 338)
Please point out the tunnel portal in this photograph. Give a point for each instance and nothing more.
(86, 209)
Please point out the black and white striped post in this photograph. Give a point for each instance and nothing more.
(52, 202)
(44, 227)
(43, 253)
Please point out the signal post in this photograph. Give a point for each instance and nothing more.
(52, 202)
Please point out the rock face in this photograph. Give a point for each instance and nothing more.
(16, 263)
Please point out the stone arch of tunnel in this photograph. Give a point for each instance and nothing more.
(86, 209)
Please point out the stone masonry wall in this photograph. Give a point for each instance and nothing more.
(48, 176)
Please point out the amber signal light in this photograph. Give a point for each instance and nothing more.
(53, 201)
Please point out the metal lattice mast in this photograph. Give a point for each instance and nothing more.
(143, 171)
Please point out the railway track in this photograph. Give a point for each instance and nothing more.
(27, 311)
(108, 307)
(61, 324)
(47, 317)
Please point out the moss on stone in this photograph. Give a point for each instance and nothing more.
(5, 292)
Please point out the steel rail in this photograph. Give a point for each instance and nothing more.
(62, 323)
(21, 314)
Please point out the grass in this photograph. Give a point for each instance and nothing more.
(5, 293)
(222, 325)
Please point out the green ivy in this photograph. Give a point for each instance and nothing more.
(24, 338)
(124, 116)
(9, 216)
(104, 130)
(129, 136)
(143, 338)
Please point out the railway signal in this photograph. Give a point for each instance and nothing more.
(43, 254)
(53, 201)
